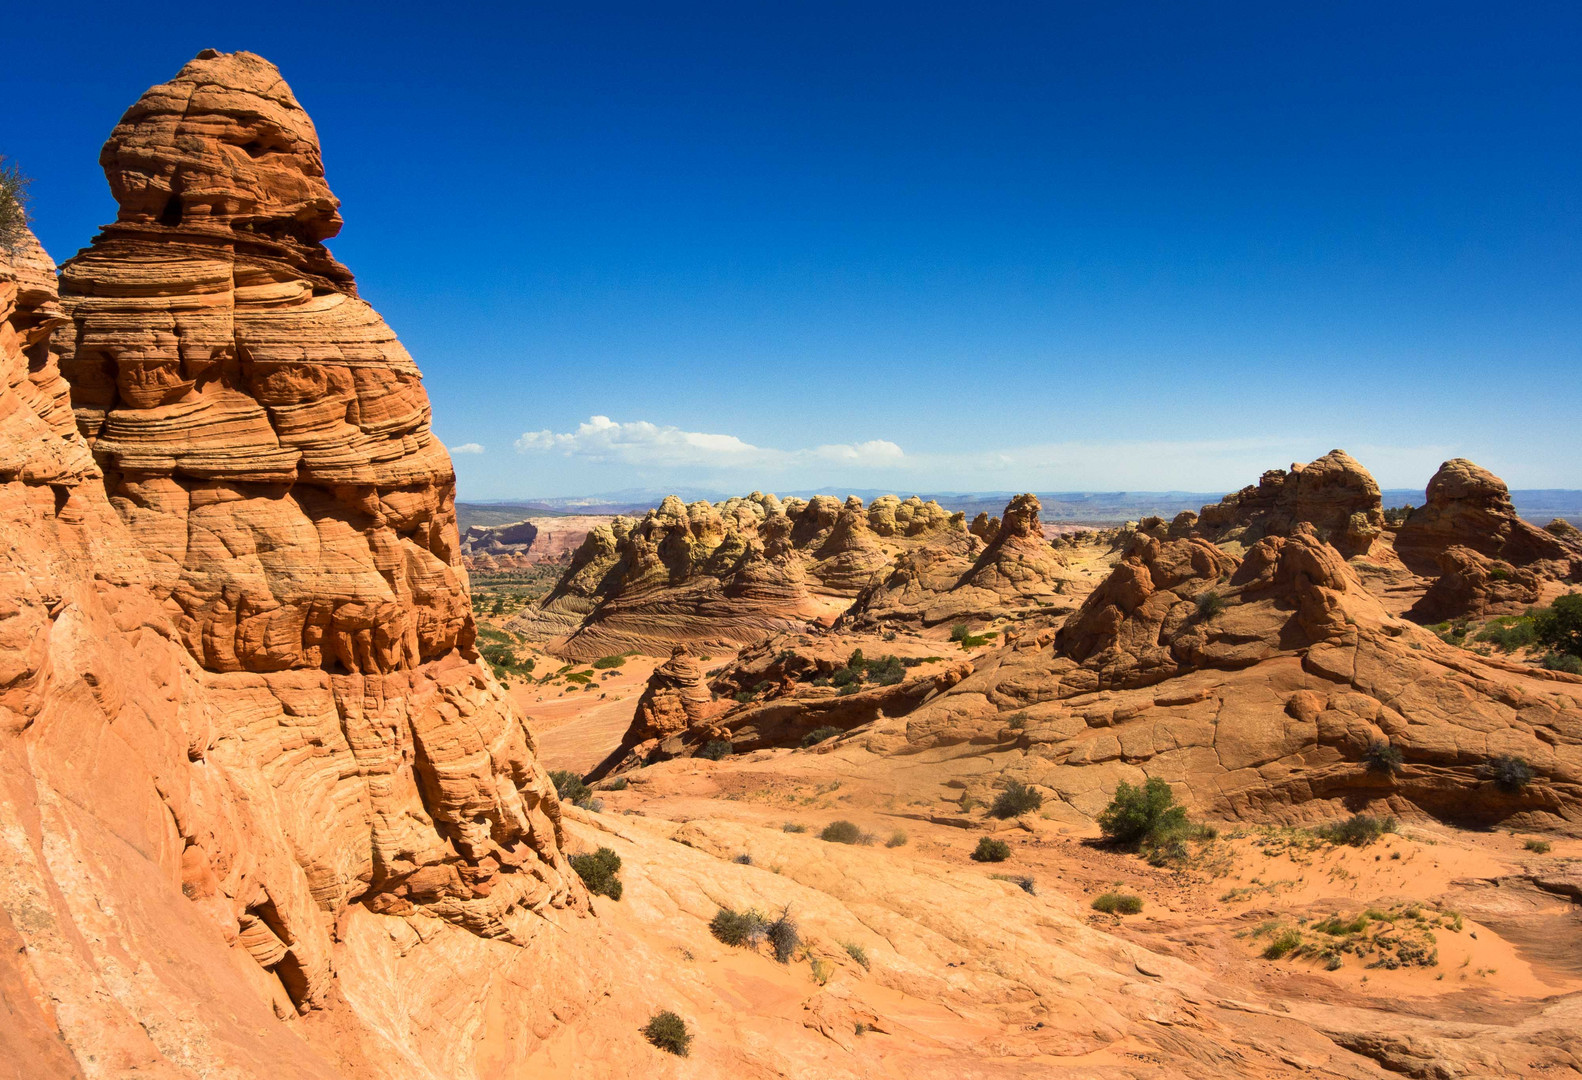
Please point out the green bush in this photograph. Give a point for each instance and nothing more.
(598, 872)
(1136, 812)
(1384, 758)
(1285, 942)
(1210, 603)
(818, 735)
(669, 1032)
(1359, 830)
(857, 953)
(13, 205)
(793, 827)
(618, 784)
(568, 785)
(841, 832)
(1118, 904)
(716, 749)
(1559, 626)
(887, 671)
(846, 676)
(1509, 633)
(1572, 665)
(1509, 772)
(783, 936)
(1017, 799)
(604, 663)
(1397, 515)
(1021, 881)
(1016, 721)
(991, 850)
(897, 839)
(738, 927)
(1537, 847)
(959, 631)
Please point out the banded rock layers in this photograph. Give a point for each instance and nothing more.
(244, 706)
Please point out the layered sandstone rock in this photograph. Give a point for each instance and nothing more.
(1483, 557)
(1262, 701)
(1001, 568)
(530, 542)
(1335, 495)
(243, 700)
(724, 575)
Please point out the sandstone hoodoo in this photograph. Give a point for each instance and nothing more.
(1335, 495)
(245, 704)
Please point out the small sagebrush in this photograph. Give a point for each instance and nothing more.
(1509, 772)
(1113, 903)
(1017, 799)
(1384, 758)
(1537, 847)
(669, 1032)
(991, 850)
(857, 953)
(1359, 830)
(738, 927)
(841, 832)
(897, 839)
(716, 750)
(1210, 604)
(818, 735)
(599, 871)
(568, 785)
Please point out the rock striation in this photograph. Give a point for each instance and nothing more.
(1335, 495)
(999, 568)
(242, 703)
(1484, 559)
(726, 574)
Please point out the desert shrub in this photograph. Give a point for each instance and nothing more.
(1499, 571)
(1210, 603)
(743, 696)
(590, 804)
(897, 839)
(1283, 943)
(1359, 830)
(1563, 662)
(1017, 799)
(1559, 626)
(959, 631)
(857, 953)
(1396, 515)
(783, 936)
(1016, 721)
(1509, 633)
(820, 680)
(618, 784)
(818, 735)
(604, 663)
(1383, 758)
(599, 871)
(669, 1032)
(1136, 812)
(568, 785)
(1167, 844)
(849, 688)
(1509, 772)
(1335, 926)
(743, 859)
(972, 641)
(1112, 903)
(991, 850)
(715, 749)
(887, 671)
(1537, 847)
(1021, 881)
(793, 827)
(738, 927)
(13, 205)
(846, 676)
(841, 832)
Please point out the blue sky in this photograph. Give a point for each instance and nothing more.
(945, 247)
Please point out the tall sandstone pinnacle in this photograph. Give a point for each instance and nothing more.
(241, 707)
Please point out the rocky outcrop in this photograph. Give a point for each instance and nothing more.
(1258, 688)
(530, 542)
(724, 575)
(1484, 558)
(242, 709)
(1000, 568)
(677, 698)
(1335, 495)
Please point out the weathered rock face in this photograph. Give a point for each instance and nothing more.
(1470, 508)
(676, 698)
(1264, 703)
(243, 704)
(1335, 495)
(1000, 567)
(724, 575)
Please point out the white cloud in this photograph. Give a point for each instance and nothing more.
(639, 442)
(467, 448)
